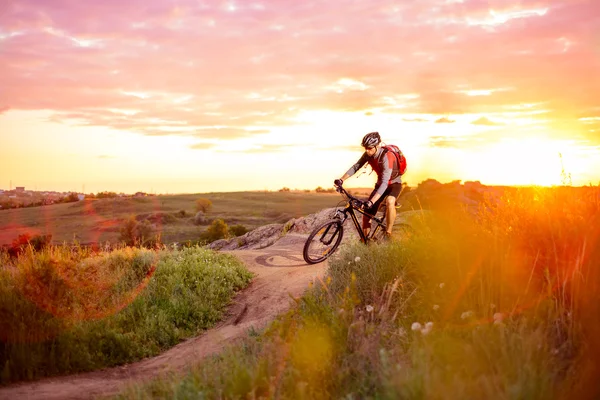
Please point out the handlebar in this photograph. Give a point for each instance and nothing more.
(357, 203)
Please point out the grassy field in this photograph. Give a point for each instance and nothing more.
(65, 310)
(99, 220)
(498, 305)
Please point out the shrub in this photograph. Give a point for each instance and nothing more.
(20, 243)
(217, 230)
(204, 205)
(68, 310)
(238, 230)
(134, 233)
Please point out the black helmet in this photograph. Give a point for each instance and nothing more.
(371, 140)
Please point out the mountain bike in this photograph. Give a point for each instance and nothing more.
(325, 239)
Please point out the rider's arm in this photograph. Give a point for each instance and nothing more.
(361, 161)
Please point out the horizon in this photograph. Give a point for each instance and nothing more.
(182, 97)
(294, 189)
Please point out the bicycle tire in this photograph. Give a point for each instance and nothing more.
(323, 242)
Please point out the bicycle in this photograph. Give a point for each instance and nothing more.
(324, 240)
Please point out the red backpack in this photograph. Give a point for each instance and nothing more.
(399, 157)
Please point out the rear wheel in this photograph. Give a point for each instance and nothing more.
(323, 241)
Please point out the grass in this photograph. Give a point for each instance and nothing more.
(98, 220)
(66, 310)
(499, 305)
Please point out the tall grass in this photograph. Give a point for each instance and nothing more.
(65, 310)
(500, 305)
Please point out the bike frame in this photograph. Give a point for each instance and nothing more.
(349, 211)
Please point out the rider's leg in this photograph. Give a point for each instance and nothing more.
(390, 213)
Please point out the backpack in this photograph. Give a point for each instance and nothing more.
(399, 157)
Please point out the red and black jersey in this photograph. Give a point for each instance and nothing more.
(384, 163)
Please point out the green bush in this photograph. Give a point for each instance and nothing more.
(238, 230)
(65, 311)
(217, 230)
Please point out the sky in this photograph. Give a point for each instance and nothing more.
(187, 96)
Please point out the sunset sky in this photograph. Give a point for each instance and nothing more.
(199, 96)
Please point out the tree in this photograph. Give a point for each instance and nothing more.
(204, 205)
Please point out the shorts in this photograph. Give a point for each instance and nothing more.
(392, 190)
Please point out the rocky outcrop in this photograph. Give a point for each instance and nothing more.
(267, 235)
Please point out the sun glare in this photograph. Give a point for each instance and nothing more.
(532, 161)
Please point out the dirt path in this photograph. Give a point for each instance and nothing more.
(280, 272)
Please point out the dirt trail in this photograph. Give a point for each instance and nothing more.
(280, 272)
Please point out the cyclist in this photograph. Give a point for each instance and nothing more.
(389, 182)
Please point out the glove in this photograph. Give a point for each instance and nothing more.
(367, 204)
(338, 182)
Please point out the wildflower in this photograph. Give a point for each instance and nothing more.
(442, 285)
(436, 307)
(498, 317)
(427, 329)
(466, 314)
(416, 326)
(369, 308)
(356, 259)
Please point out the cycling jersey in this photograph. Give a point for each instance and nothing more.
(384, 164)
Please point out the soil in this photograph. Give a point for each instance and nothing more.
(281, 274)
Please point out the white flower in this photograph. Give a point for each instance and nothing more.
(442, 285)
(425, 331)
(416, 326)
(498, 317)
(356, 259)
(369, 308)
(436, 307)
(466, 314)
(429, 325)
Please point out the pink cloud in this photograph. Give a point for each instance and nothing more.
(249, 64)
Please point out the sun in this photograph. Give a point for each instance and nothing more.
(527, 161)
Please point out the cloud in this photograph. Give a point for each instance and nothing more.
(415, 120)
(486, 121)
(444, 120)
(202, 146)
(186, 67)
(4, 109)
(443, 141)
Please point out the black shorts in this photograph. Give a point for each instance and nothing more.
(392, 190)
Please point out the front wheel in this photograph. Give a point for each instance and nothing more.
(323, 241)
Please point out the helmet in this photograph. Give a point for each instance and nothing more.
(371, 140)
